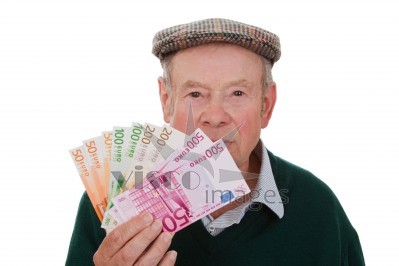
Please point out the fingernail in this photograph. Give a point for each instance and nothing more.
(167, 237)
(156, 226)
(147, 218)
(173, 255)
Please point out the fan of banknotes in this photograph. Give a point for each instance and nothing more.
(178, 178)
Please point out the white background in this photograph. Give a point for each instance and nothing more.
(71, 69)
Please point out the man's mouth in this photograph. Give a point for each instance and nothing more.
(224, 140)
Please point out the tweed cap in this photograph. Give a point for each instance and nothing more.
(214, 30)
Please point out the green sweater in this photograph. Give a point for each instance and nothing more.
(314, 230)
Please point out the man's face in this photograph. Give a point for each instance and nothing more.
(223, 83)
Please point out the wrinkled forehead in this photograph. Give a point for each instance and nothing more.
(215, 63)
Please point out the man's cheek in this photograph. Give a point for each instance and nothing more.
(179, 122)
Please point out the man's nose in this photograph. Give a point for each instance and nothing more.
(215, 114)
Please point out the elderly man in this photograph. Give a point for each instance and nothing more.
(217, 73)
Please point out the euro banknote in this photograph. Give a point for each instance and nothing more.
(91, 180)
(178, 178)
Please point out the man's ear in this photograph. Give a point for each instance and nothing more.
(268, 102)
(165, 99)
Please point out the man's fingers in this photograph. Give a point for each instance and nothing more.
(169, 258)
(136, 246)
(117, 239)
(156, 251)
(137, 242)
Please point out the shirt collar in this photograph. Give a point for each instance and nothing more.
(266, 191)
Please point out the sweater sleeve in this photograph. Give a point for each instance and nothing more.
(354, 256)
(87, 235)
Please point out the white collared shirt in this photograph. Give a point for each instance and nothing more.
(265, 192)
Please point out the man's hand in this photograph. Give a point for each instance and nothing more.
(136, 242)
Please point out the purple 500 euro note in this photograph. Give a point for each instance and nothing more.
(186, 186)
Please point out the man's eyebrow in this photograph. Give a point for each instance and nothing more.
(194, 84)
(197, 84)
(240, 82)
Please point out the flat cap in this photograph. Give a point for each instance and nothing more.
(214, 30)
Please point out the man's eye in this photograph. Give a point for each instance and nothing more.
(238, 93)
(195, 94)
